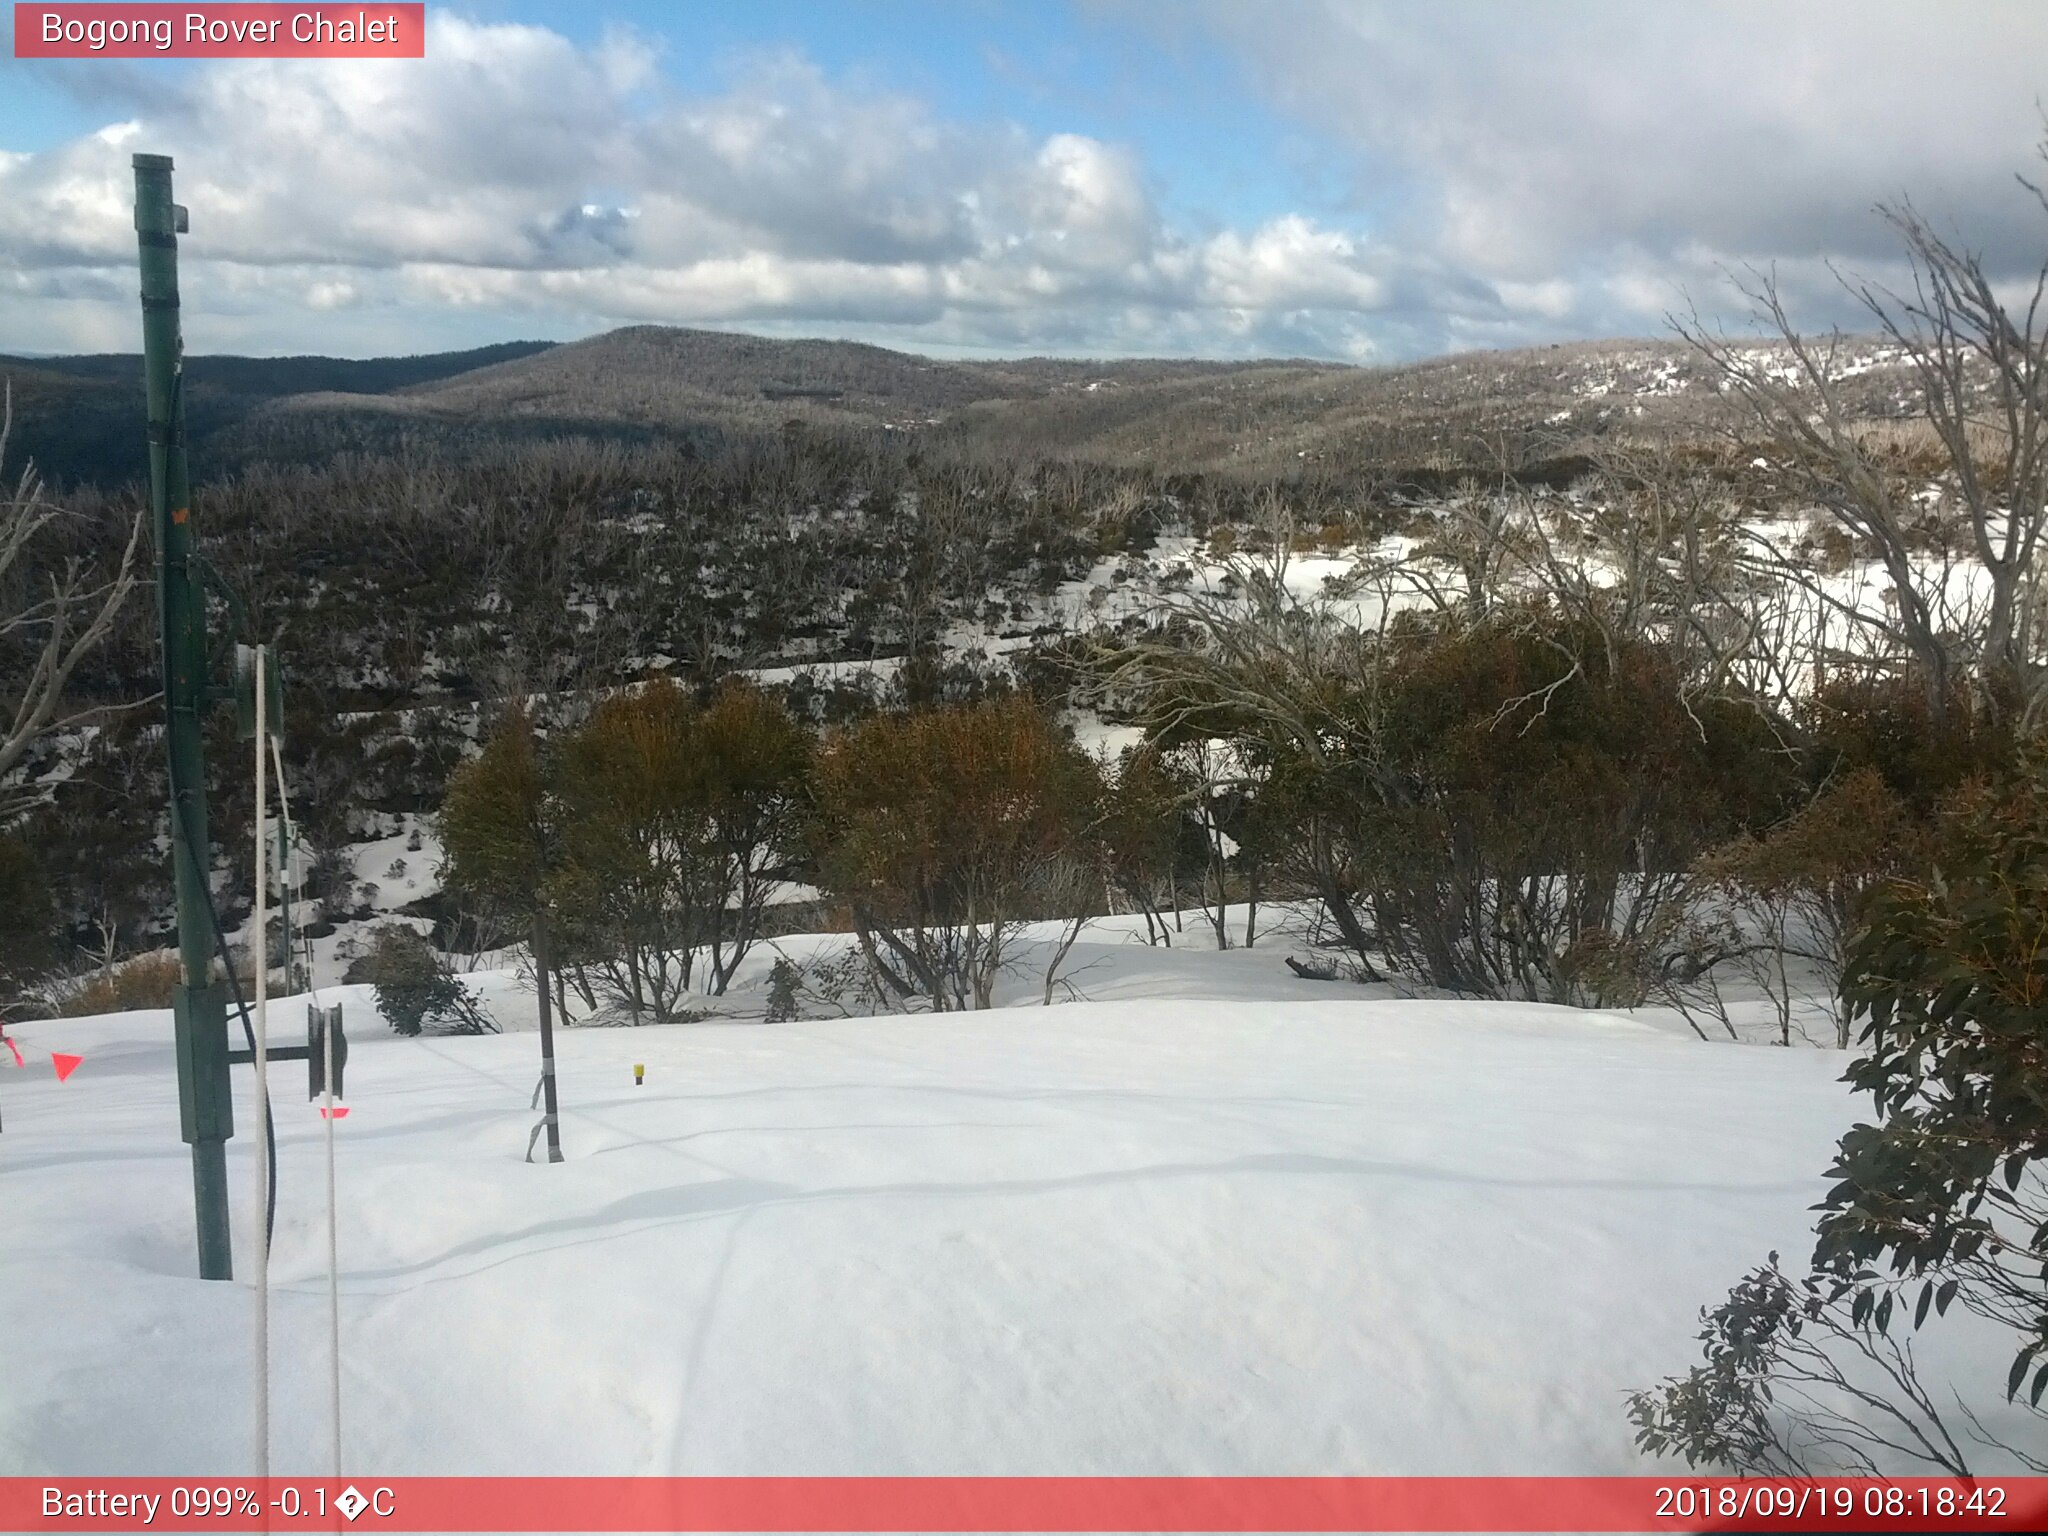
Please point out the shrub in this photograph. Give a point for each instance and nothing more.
(144, 982)
(414, 987)
(678, 823)
(1520, 791)
(783, 979)
(1951, 975)
(1890, 727)
(1800, 889)
(1940, 1202)
(936, 827)
(1142, 832)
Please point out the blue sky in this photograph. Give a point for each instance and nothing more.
(1357, 179)
(1216, 149)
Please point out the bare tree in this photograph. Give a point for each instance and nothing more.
(1965, 606)
(51, 615)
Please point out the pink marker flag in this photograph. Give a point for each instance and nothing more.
(338, 1112)
(19, 1061)
(65, 1065)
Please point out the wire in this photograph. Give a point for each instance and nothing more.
(261, 922)
(327, 1033)
(220, 940)
(203, 863)
(291, 842)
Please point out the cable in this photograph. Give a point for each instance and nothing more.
(327, 1032)
(203, 863)
(261, 920)
(220, 940)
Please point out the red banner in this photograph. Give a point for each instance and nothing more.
(1060, 1504)
(113, 31)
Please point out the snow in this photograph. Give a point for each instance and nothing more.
(402, 867)
(1213, 1219)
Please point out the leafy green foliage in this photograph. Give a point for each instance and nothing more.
(1796, 1383)
(414, 989)
(783, 981)
(678, 822)
(1951, 977)
(499, 821)
(937, 826)
(1941, 1202)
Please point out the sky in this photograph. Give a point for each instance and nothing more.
(1343, 179)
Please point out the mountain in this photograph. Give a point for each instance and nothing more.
(81, 416)
(1255, 416)
(1179, 415)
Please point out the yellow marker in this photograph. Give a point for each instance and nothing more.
(639, 1071)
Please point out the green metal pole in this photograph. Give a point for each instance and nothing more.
(205, 1104)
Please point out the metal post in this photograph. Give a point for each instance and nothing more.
(205, 1105)
(542, 975)
(261, 1052)
(331, 1028)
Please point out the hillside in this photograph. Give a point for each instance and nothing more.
(1181, 415)
(671, 379)
(78, 416)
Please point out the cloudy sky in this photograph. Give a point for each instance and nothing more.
(1329, 178)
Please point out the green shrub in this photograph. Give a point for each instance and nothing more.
(144, 982)
(414, 988)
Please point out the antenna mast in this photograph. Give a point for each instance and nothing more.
(205, 1103)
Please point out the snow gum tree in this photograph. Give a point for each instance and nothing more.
(501, 829)
(1965, 610)
(940, 829)
(57, 603)
(679, 823)
(1941, 1201)
(1142, 833)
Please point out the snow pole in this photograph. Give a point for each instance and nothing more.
(199, 1008)
(261, 1051)
(329, 1068)
(552, 1120)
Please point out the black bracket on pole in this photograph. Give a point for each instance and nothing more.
(313, 1053)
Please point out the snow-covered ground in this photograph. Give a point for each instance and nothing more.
(1213, 1219)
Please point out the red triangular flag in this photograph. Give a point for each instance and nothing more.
(8, 1041)
(339, 1111)
(65, 1065)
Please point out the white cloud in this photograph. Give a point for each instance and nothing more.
(1574, 168)
(1290, 264)
(1619, 148)
(514, 175)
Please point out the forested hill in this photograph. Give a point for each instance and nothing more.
(80, 417)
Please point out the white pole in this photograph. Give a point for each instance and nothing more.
(333, 1261)
(262, 949)
(327, 1033)
(288, 871)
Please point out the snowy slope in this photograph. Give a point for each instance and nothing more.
(1135, 1236)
